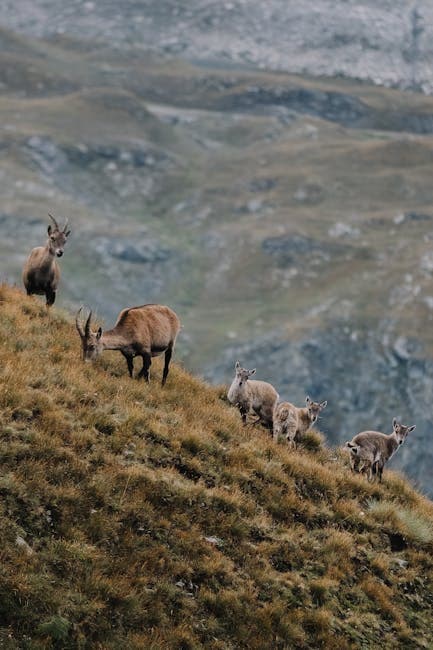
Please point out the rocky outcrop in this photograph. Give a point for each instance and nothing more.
(51, 155)
(130, 250)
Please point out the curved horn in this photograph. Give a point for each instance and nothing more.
(54, 221)
(87, 326)
(78, 325)
(66, 225)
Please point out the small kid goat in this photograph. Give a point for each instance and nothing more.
(294, 422)
(371, 450)
(252, 396)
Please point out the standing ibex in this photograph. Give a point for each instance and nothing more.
(370, 450)
(41, 272)
(293, 422)
(252, 396)
(144, 331)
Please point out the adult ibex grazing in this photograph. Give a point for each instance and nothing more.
(41, 272)
(370, 450)
(145, 331)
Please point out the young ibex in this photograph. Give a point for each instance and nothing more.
(293, 422)
(41, 272)
(145, 331)
(252, 396)
(370, 450)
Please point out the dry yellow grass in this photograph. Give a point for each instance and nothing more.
(133, 516)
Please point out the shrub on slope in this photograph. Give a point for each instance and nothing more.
(133, 516)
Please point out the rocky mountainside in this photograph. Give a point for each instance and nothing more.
(286, 218)
(387, 42)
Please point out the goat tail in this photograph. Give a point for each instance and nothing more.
(283, 413)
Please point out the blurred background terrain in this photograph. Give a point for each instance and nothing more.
(264, 168)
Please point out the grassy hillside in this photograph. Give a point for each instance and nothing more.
(288, 218)
(133, 516)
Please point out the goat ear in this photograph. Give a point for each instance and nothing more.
(67, 233)
(411, 428)
(308, 400)
(394, 422)
(49, 229)
(237, 365)
(324, 404)
(99, 333)
(252, 372)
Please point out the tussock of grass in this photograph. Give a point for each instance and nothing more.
(312, 440)
(413, 525)
(150, 517)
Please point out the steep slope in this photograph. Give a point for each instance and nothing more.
(287, 218)
(134, 516)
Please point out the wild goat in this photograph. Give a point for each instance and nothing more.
(41, 272)
(370, 450)
(252, 396)
(294, 422)
(145, 331)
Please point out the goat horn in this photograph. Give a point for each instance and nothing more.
(66, 225)
(54, 221)
(87, 326)
(78, 325)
